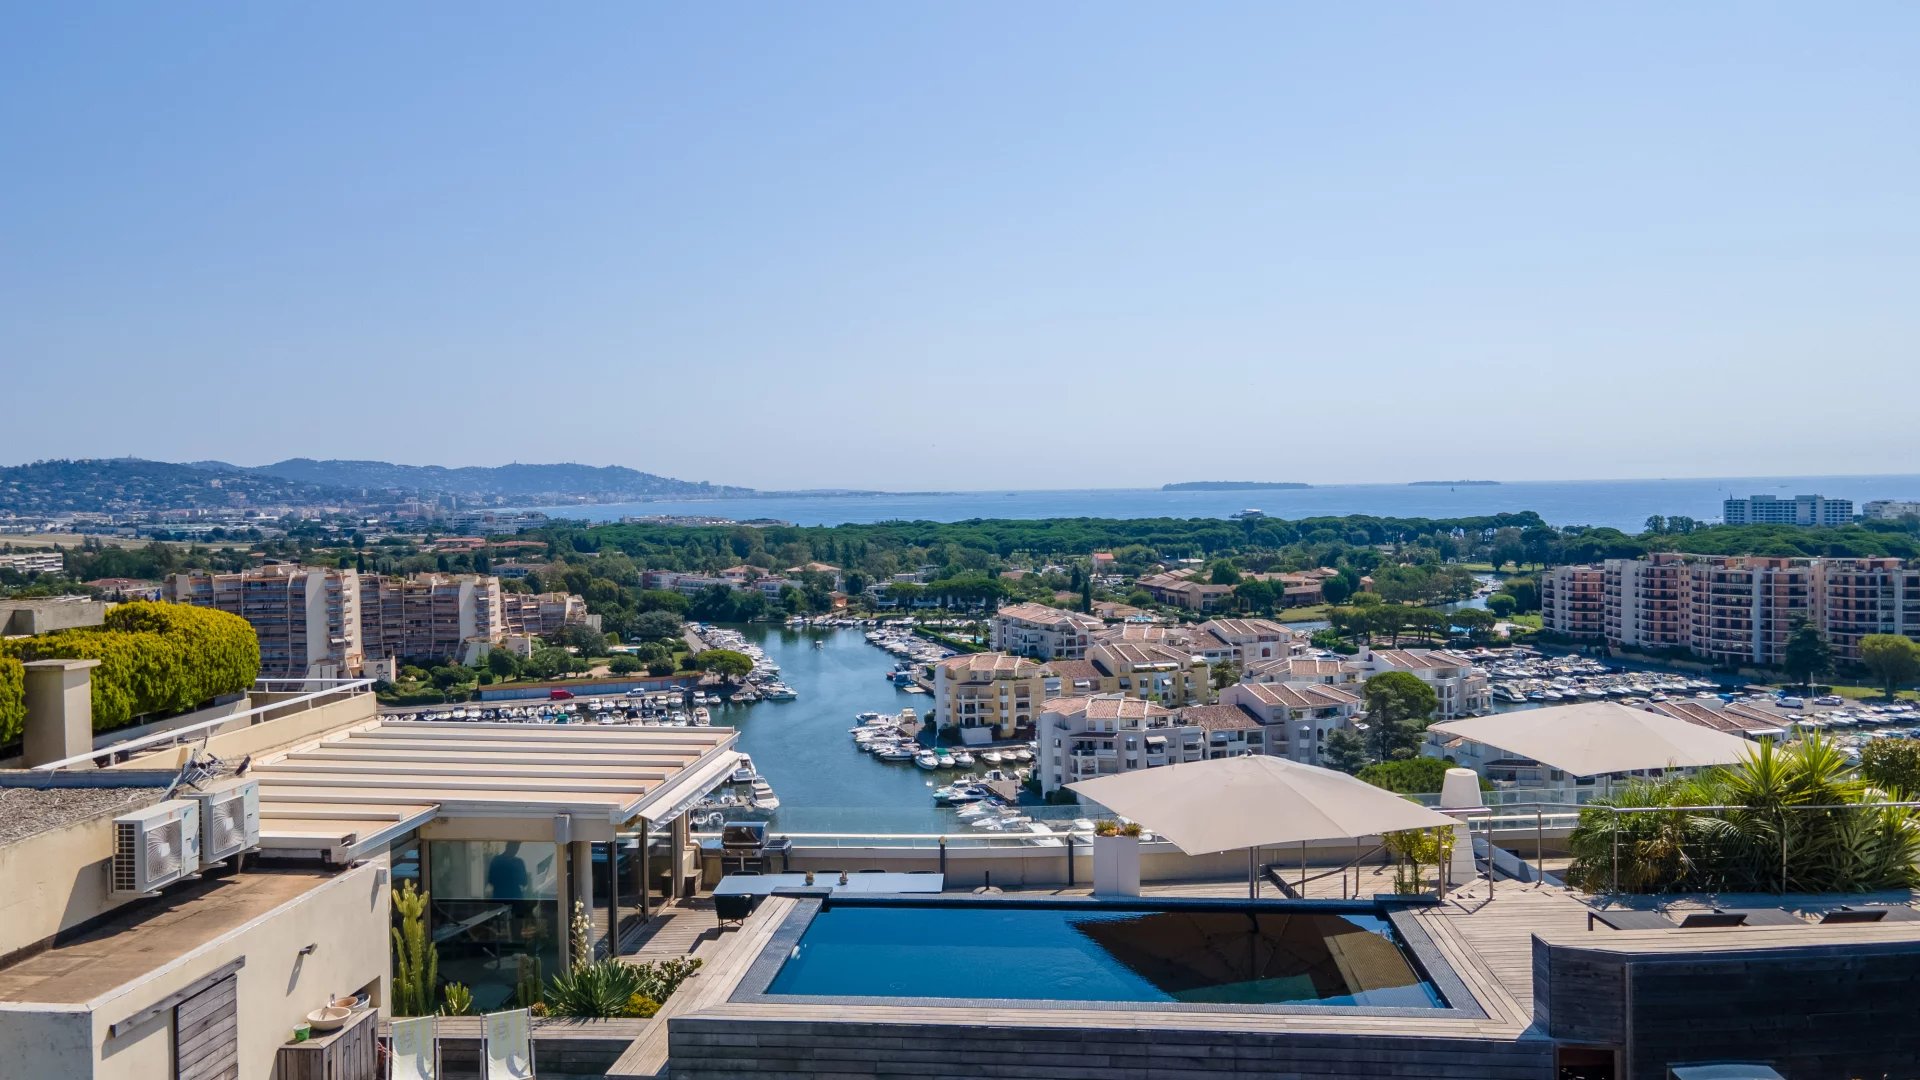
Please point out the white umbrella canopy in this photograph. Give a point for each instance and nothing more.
(1253, 802)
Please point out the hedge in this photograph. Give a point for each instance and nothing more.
(13, 698)
(154, 658)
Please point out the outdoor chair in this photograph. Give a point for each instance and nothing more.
(413, 1051)
(1628, 919)
(1708, 920)
(732, 908)
(1869, 913)
(869, 871)
(1763, 916)
(506, 1045)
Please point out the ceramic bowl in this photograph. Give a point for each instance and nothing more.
(330, 1018)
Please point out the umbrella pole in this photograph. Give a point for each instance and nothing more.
(1303, 869)
(1253, 873)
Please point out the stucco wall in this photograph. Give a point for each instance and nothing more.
(50, 1044)
(347, 918)
(52, 881)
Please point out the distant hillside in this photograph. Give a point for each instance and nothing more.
(112, 485)
(128, 485)
(1232, 485)
(512, 483)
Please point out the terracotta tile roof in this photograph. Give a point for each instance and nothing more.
(1301, 695)
(990, 663)
(1419, 659)
(1071, 671)
(1046, 616)
(1304, 667)
(1106, 707)
(1219, 718)
(1137, 654)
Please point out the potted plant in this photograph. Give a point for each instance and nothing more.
(1116, 859)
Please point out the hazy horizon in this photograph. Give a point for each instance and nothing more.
(967, 248)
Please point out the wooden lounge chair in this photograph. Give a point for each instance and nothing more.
(1629, 919)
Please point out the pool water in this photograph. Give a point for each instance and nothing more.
(1194, 955)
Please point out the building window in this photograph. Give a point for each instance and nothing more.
(495, 910)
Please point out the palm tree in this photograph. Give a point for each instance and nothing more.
(1794, 818)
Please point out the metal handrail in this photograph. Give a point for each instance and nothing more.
(173, 736)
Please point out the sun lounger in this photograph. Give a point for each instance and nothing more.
(1629, 919)
(506, 1045)
(1764, 916)
(1870, 913)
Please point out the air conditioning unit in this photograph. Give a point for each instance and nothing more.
(155, 847)
(229, 818)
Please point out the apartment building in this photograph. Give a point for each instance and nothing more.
(1246, 641)
(307, 618)
(318, 622)
(1868, 596)
(1739, 609)
(1084, 737)
(1167, 674)
(1041, 632)
(989, 696)
(1890, 509)
(431, 616)
(1297, 717)
(33, 562)
(1180, 590)
(1573, 601)
(1303, 669)
(1463, 688)
(1646, 602)
(544, 614)
(1799, 510)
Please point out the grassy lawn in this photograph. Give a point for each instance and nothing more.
(1531, 622)
(1871, 693)
(1302, 614)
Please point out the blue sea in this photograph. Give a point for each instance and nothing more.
(1620, 504)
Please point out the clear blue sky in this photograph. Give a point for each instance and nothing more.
(967, 245)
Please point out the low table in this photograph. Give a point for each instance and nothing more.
(765, 884)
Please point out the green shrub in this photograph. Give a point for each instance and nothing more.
(13, 698)
(154, 658)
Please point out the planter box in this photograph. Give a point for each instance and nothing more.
(1116, 866)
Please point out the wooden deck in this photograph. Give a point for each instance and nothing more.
(689, 929)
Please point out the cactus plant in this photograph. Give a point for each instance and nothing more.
(458, 1000)
(416, 962)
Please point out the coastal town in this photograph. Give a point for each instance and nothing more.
(874, 541)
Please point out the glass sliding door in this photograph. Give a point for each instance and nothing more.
(496, 915)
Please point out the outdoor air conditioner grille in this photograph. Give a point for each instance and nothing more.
(229, 826)
(163, 850)
(126, 849)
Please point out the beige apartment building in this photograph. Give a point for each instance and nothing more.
(1042, 632)
(317, 622)
(307, 618)
(431, 616)
(1167, 674)
(1081, 737)
(1739, 609)
(1573, 601)
(1463, 689)
(989, 696)
(1297, 717)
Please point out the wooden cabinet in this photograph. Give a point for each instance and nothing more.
(352, 1053)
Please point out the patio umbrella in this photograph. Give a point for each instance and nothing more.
(1253, 802)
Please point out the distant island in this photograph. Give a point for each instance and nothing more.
(1233, 485)
(1454, 483)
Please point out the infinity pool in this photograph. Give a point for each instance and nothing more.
(1085, 952)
